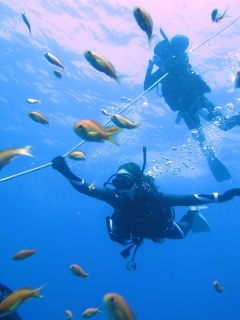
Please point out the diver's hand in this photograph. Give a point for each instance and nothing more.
(60, 164)
(151, 63)
(228, 195)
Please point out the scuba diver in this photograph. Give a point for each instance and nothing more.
(140, 210)
(183, 90)
(4, 292)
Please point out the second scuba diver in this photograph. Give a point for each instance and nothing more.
(140, 210)
(183, 91)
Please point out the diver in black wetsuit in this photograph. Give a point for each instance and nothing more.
(4, 292)
(183, 90)
(140, 211)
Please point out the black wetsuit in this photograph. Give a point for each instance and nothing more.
(183, 90)
(4, 292)
(149, 214)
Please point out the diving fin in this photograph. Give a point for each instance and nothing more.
(218, 169)
(200, 224)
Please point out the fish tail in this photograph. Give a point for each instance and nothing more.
(110, 136)
(150, 39)
(37, 291)
(138, 125)
(39, 101)
(25, 151)
(118, 78)
(225, 12)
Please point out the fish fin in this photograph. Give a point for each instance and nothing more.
(118, 78)
(110, 136)
(92, 133)
(25, 151)
(224, 13)
(150, 41)
(99, 311)
(37, 291)
(138, 125)
(111, 129)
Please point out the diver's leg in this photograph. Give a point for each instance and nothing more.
(194, 125)
(187, 220)
(216, 117)
(226, 124)
(181, 229)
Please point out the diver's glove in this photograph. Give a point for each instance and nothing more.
(228, 195)
(60, 164)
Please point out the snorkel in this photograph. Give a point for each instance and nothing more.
(144, 162)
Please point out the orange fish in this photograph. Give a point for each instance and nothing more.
(78, 271)
(91, 130)
(23, 254)
(8, 155)
(217, 287)
(91, 312)
(10, 304)
(91, 186)
(101, 64)
(77, 155)
(144, 21)
(117, 308)
(68, 314)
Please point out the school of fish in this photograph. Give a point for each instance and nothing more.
(116, 307)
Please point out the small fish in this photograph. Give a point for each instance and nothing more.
(7, 155)
(123, 122)
(25, 19)
(216, 17)
(101, 64)
(90, 312)
(144, 21)
(217, 287)
(38, 117)
(105, 112)
(91, 186)
(117, 308)
(91, 130)
(33, 101)
(68, 314)
(10, 304)
(77, 155)
(236, 79)
(57, 73)
(23, 254)
(52, 59)
(78, 271)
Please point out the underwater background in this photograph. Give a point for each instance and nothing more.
(173, 280)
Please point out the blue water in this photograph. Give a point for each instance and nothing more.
(41, 210)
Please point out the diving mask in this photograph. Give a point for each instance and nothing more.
(123, 181)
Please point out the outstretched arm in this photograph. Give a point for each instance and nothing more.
(104, 194)
(172, 200)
